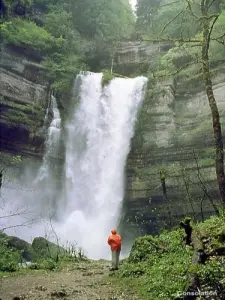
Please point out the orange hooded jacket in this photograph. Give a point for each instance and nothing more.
(114, 241)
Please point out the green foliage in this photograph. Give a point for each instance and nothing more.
(26, 33)
(158, 266)
(48, 264)
(213, 224)
(217, 49)
(9, 258)
(143, 248)
(175, 21)
(43, 254)
(165, 19)
(68, 34)
(107, 77)
(63, 70)
(146, 10)
(27, 114)
(134, 270)
(16, 159)
(99, 19)
(213, 272)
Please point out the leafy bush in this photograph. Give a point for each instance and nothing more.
(26, 33)
(212, 272)
(142, 249)
(134, 270)
(159, 264)
(107, 77)
(48, 264)
(63, 70)
(9, 259)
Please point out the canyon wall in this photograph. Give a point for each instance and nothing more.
(24, 99)
(173, 143)
(173, 134)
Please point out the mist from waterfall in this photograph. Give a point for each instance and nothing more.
(84, 203)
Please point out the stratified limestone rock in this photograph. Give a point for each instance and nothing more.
(174, 134)
(24, 98)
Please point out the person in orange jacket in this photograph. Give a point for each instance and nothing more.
(114, 240)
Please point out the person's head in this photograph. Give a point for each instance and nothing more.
(113, 231)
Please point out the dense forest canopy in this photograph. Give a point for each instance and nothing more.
(70, 35)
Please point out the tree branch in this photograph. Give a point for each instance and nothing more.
(14, 226)
(190, 9)
(210, 31)
(178, 70)
(211, 4)
(167, 4)
(218, 38)
(202, 184)
(174, 18)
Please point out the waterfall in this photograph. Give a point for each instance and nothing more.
(52, 142)
(33, 195)
(98, 137)
(84, 203)
(46, 182)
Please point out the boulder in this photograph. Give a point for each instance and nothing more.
(46, 249)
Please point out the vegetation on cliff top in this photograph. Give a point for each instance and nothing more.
(72, 36)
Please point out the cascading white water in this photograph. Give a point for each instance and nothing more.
(52, 143)
(46, 178)
(27, 199)
(98, 141)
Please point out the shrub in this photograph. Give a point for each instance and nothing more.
(9, 259)
(26, 33)
(48, 264)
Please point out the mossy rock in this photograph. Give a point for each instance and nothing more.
(16, 244)
(31, 115)
(24, 247)
(46, 249)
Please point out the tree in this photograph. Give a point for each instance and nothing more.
(146, 10)
(208, 21)
(103, 19)
(205, 13)
(103, 23)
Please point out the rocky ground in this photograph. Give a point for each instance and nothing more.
(78, 281)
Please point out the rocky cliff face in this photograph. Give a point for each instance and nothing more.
(136, 57)
(174, 136)
(24, 98)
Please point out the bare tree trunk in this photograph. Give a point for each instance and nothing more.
(163, 182)
(207, 29)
